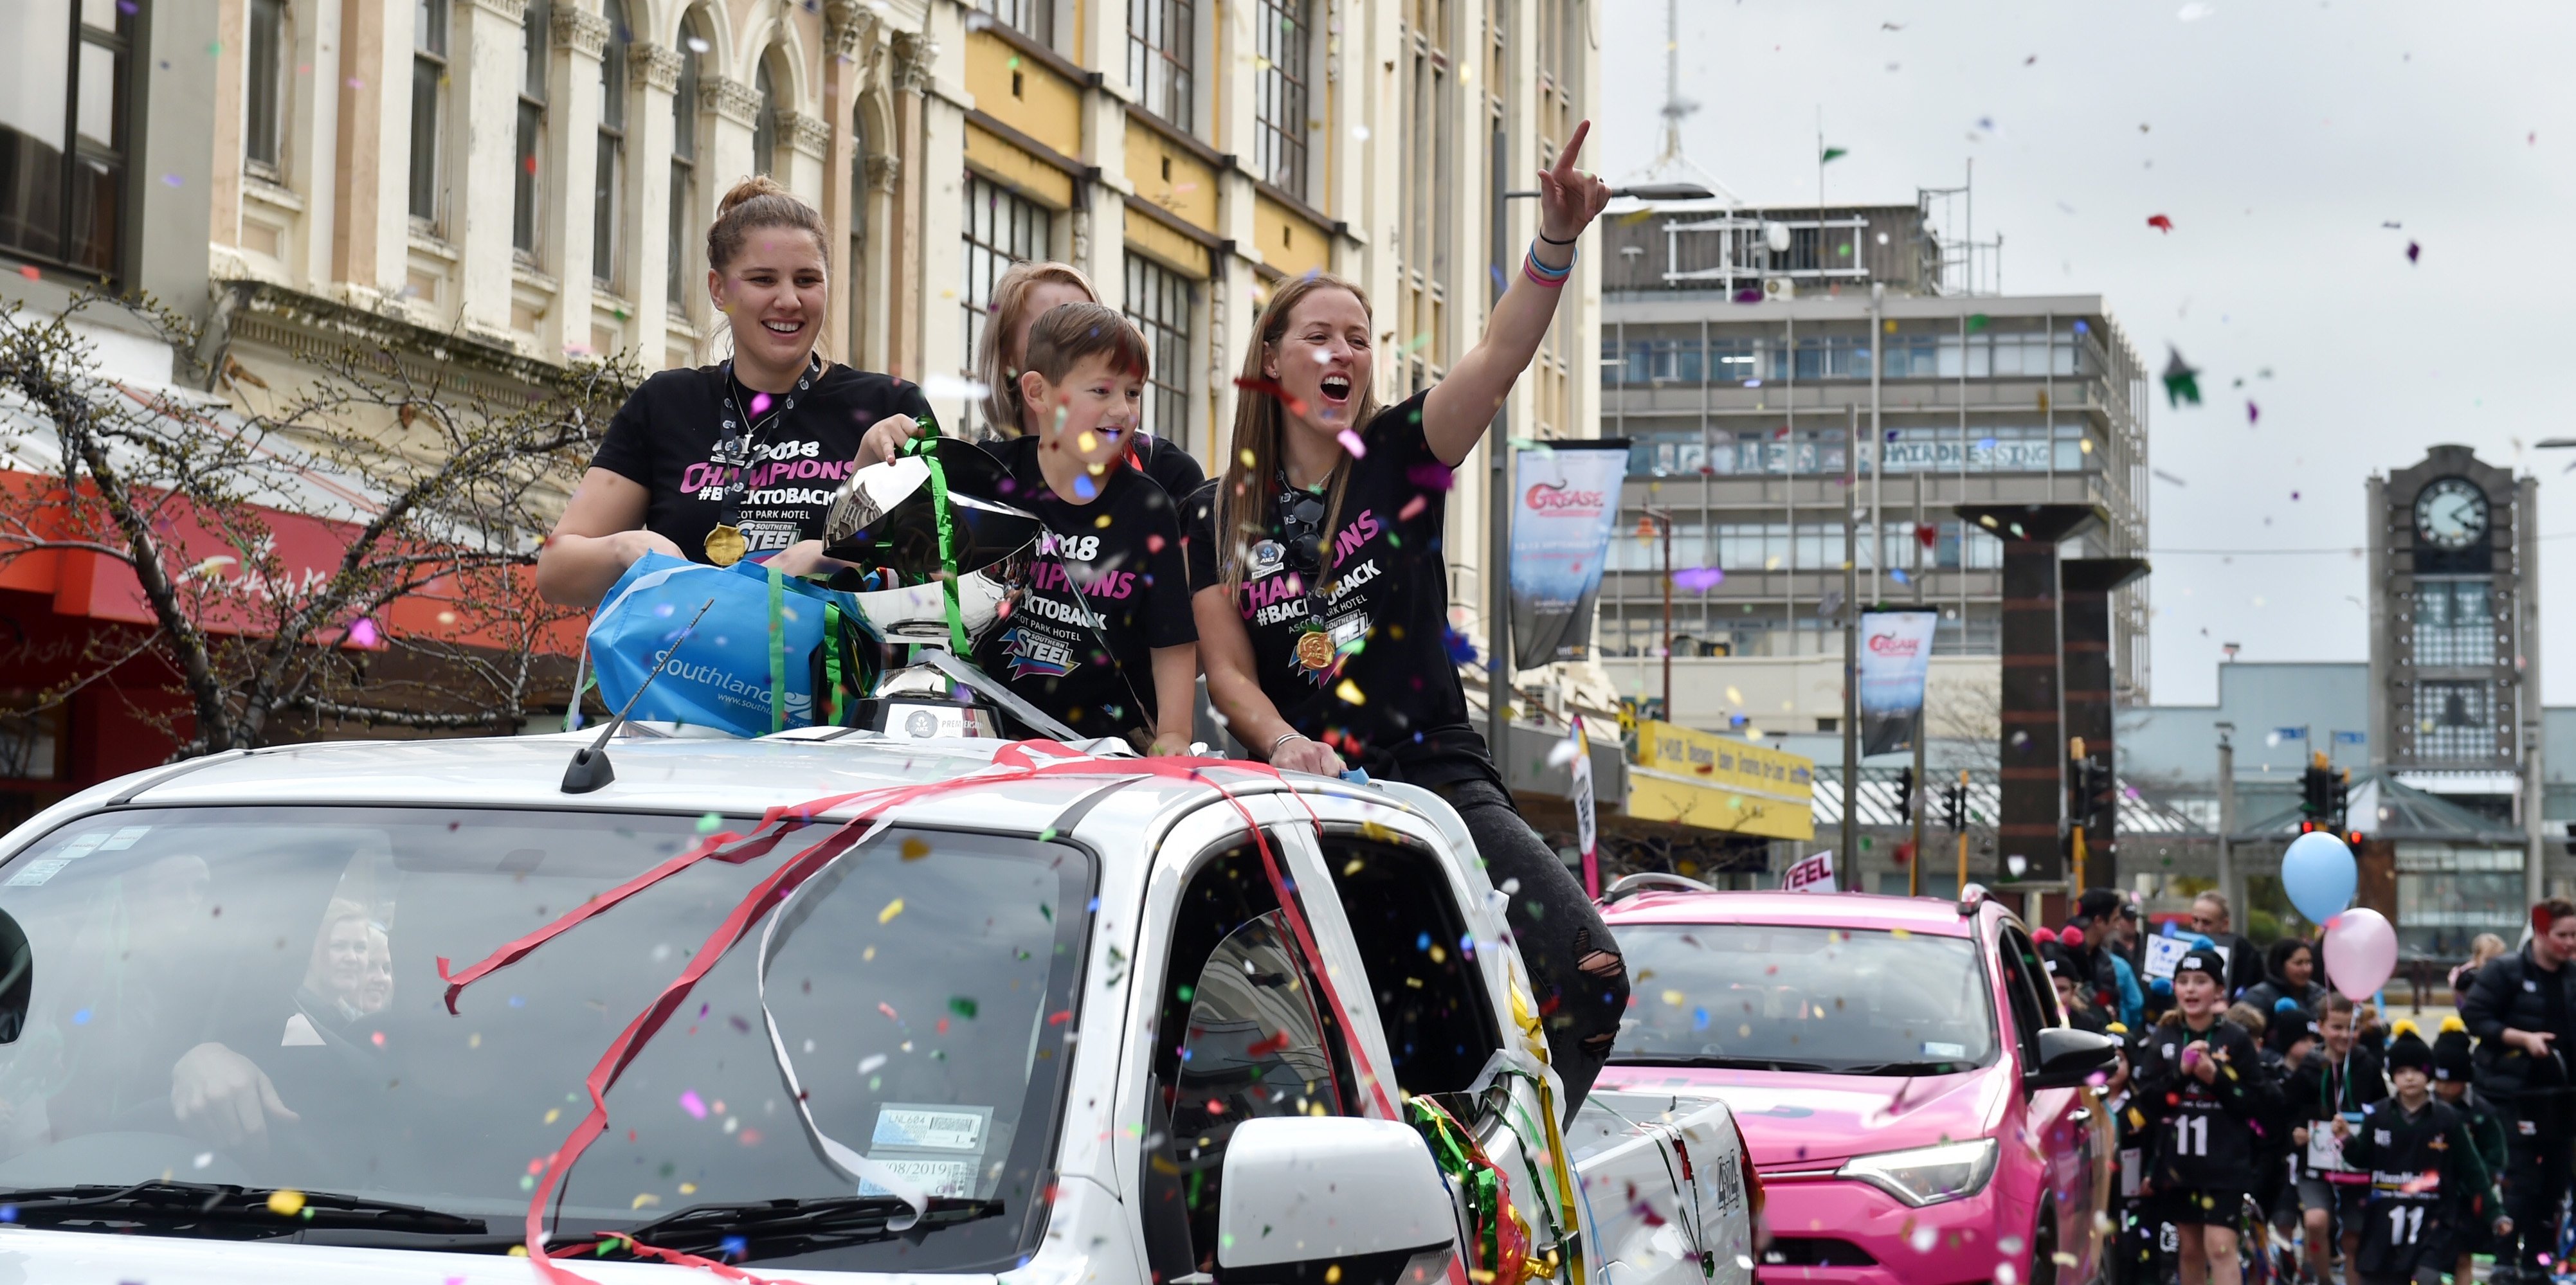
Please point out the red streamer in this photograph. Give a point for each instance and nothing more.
(1020, 760)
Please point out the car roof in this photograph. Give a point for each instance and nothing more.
(1930, 916)
(654, 773)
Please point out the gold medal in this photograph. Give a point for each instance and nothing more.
(725, 545)
(1315, 649)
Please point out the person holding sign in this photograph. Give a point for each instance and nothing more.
(2428, 1184)
(2202, 1082)
(741, 459)
(2336, 1084)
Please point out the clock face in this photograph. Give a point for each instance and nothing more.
(2451, 513)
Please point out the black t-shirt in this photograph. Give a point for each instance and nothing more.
(1171, 468)
(1122, 552)
(2207, 1139)
(1389, 700)
(665, 438)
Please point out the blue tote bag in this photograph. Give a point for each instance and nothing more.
(753, 662)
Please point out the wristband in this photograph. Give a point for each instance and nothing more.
(1553, 241)
(1284, 738)
(1543, 275)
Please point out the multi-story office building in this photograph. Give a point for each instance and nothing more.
(1744, 353)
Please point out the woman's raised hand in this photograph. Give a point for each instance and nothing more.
(1570, 199)
(886, 437)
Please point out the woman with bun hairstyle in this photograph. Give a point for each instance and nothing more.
(1322, 595)
(718, 463)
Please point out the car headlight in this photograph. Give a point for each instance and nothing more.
(1927, 1175)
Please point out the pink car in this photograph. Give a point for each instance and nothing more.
(1914, 1103)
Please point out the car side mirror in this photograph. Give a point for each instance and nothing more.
(1303, 1194)
(17, 978)
(2068, 1057)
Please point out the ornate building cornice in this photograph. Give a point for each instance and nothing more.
(731, 99)
(885, 169)
(512, 10)
(912, 54)
(581, 31)
(659, 65)
(811, 135)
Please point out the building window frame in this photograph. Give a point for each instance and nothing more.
(1032, 18)
(1002, 227)
(78, 215)
(264, 88)
(1162, 59)
(764, 127)
(433, 25)
(527, 190)
(608, 171)
(1283, 38)
(684, 162)
(1163, 304)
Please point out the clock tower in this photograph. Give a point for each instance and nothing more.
(2454, 652)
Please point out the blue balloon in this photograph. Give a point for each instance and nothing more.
(2319, 875)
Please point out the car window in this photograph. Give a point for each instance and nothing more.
(1244, 1032)
(1848, 1001)
(2024, 981)
(921, 987)
(1439, 1023)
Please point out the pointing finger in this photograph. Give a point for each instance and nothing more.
(1565, 160)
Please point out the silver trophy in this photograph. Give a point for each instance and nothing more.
(884, 521)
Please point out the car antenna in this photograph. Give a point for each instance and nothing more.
(589, 768)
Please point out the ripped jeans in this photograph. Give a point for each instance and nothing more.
(1573, 962)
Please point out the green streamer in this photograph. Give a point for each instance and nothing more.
(1456, 1158)
(831, 662)
(777, 648)
(947, 543)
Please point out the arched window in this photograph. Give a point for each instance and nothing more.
(608, 179)
(684, 158)
(764, 129)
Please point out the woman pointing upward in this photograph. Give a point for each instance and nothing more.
(1324, 595)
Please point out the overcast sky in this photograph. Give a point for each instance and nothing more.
(2279, 138)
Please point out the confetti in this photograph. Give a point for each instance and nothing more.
(364, 634)
(693, 1104)
(2181, 379)
(886, 916)
(914, 849)
(1698, 579)
(698, 45)
(28, 270)
(286, 1202)
(1351, 442)
(871, 1062)
(962, 1005)
(1413, 508)
(969, 390)
(1350, 694)
(2160, 223)
(2253, 413)
(2413, 251)
(1461, 651)
(1271, 388)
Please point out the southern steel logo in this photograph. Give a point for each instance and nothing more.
(1891, 645)
(1553, 497)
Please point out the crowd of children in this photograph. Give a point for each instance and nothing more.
(2283, 1128)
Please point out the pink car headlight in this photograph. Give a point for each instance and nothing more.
(1927, 1175)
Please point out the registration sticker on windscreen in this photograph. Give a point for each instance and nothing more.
(940, 1148)
(1941, 1052)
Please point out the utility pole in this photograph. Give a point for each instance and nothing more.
(1851, 645)
(1498, 582)
(2227, 814)
(1663, 520)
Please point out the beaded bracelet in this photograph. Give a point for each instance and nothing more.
(1543, 275)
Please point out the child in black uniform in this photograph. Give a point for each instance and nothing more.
(2452, 1067)
(1103, 638)
(2426, 1181)
(2202, 1080)
(2341, 1079)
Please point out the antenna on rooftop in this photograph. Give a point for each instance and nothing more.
(1669, 163)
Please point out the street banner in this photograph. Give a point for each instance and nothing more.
(1561, 525)
(1812, 874)
(1586, 834)
(1895, 655)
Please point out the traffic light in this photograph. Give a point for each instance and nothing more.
(1905, 793)
(2316, 790)
(1954, 812)
(2571, 838)
(2338, 797)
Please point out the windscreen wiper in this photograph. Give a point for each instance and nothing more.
(779, 1228)
(1721, 1062)
(223, 1211)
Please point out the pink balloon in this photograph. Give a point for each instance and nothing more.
(2361, 953)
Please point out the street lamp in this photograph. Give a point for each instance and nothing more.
(1663, 519)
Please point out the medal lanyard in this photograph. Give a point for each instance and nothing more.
(733, 457)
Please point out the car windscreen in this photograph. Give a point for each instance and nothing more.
(253, 995)
(1803, 998)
